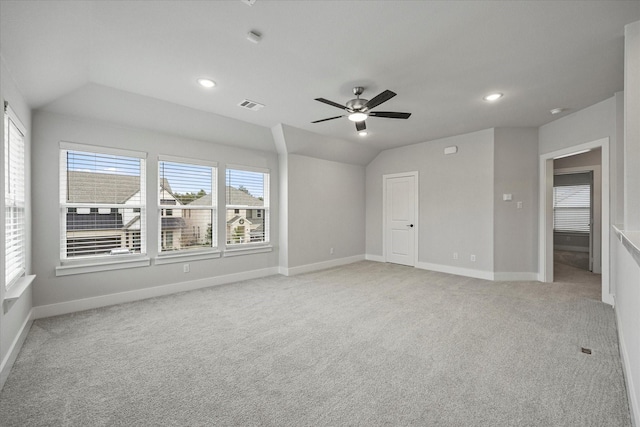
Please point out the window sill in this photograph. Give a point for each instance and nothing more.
(248, 250)
(92, 267)
(16, 290)
(171, 258)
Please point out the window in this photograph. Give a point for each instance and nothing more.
(247, 202)
(572, 208)
(14, 197)
(188, 186)
(102, 200)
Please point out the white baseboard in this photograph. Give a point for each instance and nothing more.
(515, 276)
(376, 258)
(633, 397)
(459, 271)
(42, 311)
(292, 271)
(14, 349)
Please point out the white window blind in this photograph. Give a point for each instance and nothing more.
(14, 198)
(572, 208)
(247, 205)
(186, 205)
(102, 199)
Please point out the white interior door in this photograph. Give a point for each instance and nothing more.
(400, 218)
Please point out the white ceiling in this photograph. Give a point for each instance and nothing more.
(441, 58)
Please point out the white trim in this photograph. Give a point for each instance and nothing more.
(69, 269)
(545, 213)
(292, 271)
(184, 256)
(458, 271)
(42, 311)
(15, 119)
(246, 168)
(416, 219)
(75, 146)
(14, 349)
(376, 258)
(16, 290)
(521, 276)
(187, 160)
(632, 396)
(247, 250)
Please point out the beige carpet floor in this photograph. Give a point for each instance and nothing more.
(367, 344)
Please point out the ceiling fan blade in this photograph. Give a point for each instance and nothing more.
(361, 126)
(379, 99)
(333, 104)
(330, 118)
(390, 114)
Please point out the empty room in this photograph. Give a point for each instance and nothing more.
(320, 213)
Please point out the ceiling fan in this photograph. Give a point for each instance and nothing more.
(359, 109)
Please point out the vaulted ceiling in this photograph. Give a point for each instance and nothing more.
(440, 57)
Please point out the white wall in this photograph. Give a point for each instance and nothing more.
(49, 129)
(456, 200)
(15, 322)
(627, 262)
(516, 229)
(326, 203)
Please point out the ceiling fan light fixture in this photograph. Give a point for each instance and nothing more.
(493, 97)
(358, 116)
(206, 83)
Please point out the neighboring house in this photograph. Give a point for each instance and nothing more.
(102, 230)
(98, 230)
(172, 225)
(243, 225)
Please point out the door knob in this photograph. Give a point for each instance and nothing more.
(410, 225)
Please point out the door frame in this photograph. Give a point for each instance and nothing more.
(545, 213)
(416, 221)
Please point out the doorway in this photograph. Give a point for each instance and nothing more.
(400, 218)
(574, 218)
(601, 226)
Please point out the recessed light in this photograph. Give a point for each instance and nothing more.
(363, 133)
(493, 97)
(208, 83)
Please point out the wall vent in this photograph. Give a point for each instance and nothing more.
(251, 105)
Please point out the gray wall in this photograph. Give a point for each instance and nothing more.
(49, 129)
(12, 322)
(326, 210)
(516, 173)
(456, 199)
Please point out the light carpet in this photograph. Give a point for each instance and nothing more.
(365, 344)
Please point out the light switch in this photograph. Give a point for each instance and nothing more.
(507, 197)
(519, 205)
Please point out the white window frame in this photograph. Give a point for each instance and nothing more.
(14, 199)
(189, 254)
(78, 265)
(233, 249)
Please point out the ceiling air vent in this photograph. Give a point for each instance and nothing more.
(251, 105)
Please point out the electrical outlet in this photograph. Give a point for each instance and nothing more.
(331, 251)
(455, 255)
(473, 258)
(186, 268)
(519, 205)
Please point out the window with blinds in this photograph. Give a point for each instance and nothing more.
(186, 205)
(102, 200)
(247, 205)
(572, 208)
(14, 198)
